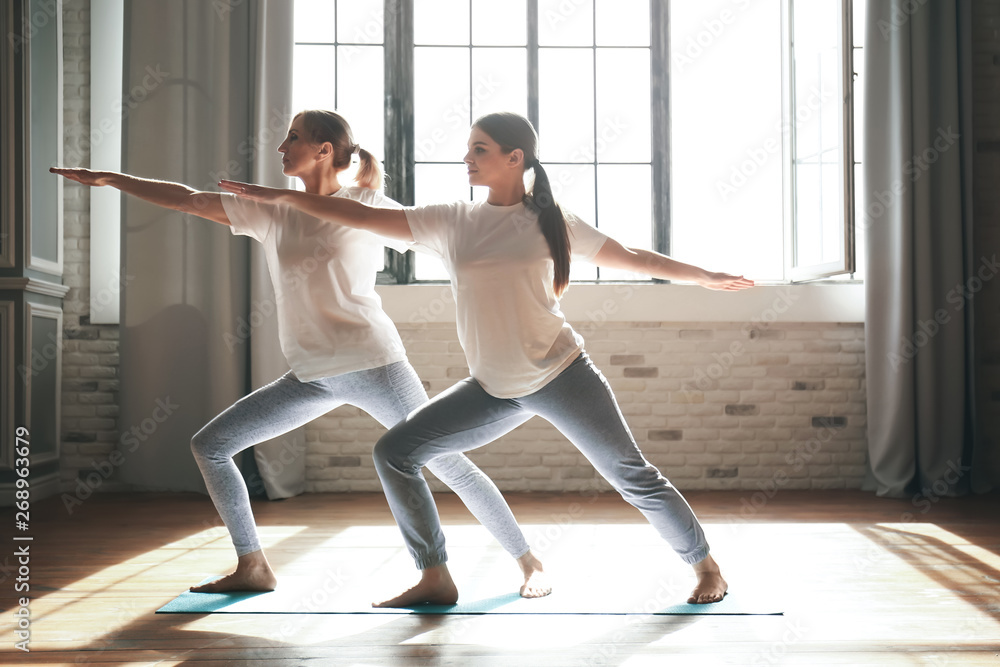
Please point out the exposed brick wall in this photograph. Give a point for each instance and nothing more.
(986, 205)
(90, 353)
(786, 410)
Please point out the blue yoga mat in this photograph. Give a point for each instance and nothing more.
(346, 572)
(297, 596)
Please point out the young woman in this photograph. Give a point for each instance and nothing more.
(508, 259)
(340, 344)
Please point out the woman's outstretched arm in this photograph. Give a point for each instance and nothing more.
(613, 255)
(175, 196)
(388, 222)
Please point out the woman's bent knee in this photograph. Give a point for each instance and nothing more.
(198, 444)
(386, 451)
(204, 443)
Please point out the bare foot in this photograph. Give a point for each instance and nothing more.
(536, 584)
(253, 573)
(435, 587)
(711, 587)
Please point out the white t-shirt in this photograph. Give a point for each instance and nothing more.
(330, 319)
(516, 339)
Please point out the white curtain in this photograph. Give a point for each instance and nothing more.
(281, 462)
(210, 85)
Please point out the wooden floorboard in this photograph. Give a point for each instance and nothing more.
(862, 581)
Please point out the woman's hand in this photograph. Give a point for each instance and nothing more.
(253, 192)
(724, 281)
(84, 176)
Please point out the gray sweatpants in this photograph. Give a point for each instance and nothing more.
(387, 393)
(579, 402)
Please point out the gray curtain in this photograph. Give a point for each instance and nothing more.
(210, 86)
(918, 221)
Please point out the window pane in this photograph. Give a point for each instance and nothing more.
(361, 100)
(314, 21)
(314, 77)
(726, 138)
(436, 184)
(818, 131)
(832, 208)
(624, 210)
(808, 180)
(360, 21)
(442, 113)
(499, 81)
(441, 21)
(622, 22)
(623, 110)
(495, 23)
(573, 187)
(565, 105)
(818, 238)
(441, 183)
(562, 23)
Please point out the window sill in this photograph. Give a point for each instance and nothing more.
(645, 302)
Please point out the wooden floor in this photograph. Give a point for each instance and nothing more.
(862, 581)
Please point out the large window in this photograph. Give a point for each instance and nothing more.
(339, 64)
(472, 64)
(588, 97)
(726, 150)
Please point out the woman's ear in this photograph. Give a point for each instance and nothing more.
(325, 151)
(515, 158)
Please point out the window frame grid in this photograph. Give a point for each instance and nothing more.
(399, 48)
(403, 271)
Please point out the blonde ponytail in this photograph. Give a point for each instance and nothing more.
(369, 171)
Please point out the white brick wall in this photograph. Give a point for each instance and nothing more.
(787, 409)
(751, 423)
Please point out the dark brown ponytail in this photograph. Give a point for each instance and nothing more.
(511, 131)
(553, 224)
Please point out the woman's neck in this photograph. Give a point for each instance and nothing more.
(323, 184)
(506, 195)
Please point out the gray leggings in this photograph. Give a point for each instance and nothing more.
(579, 403)
(387, 393)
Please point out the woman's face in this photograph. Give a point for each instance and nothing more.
(298, 155)
(488, 164)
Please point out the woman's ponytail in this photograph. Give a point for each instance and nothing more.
(369, 171)
(554, 229)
